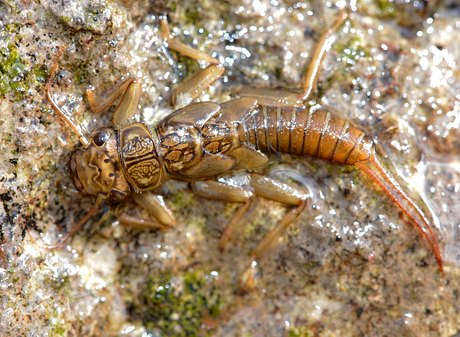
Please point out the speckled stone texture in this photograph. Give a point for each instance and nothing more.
(352, 265)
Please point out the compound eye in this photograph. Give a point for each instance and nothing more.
(101, 137)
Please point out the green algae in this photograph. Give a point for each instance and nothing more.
(178, 305)
(14, 73)
(386, 9)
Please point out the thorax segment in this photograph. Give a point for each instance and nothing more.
(139, 157)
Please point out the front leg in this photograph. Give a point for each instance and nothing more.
(156, 207)
(131, 89)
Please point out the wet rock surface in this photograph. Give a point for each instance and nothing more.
(352, 265)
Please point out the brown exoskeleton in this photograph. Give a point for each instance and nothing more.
(205, 140)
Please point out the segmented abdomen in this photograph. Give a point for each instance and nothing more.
(309, 132)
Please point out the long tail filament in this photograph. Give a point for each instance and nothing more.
(395, 195)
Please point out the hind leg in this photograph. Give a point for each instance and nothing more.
(277, 191)
(322, 46)
(289, 98)
(266, 188)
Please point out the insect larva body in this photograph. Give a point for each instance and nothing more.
(203, 141)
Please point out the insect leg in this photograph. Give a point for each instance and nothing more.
(211, 189)
(131, 90)
(271, 97)
(192, 87)
(323, 44)
(283, 193)
(156, 207)
(182, 48)
(80, 223)
(290, 98)
(197, 115)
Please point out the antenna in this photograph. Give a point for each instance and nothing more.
(56, 108)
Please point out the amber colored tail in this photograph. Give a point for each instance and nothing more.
(395, 195)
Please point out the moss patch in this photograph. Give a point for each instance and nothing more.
(178, 306)
(14, 74)
(386, 9)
